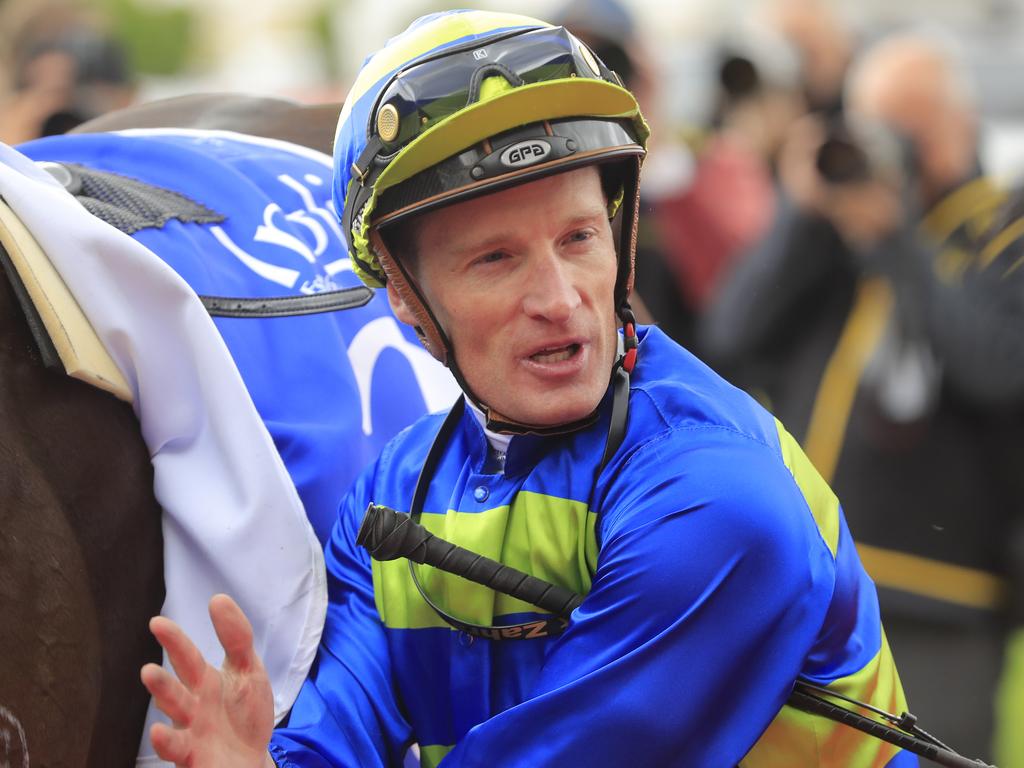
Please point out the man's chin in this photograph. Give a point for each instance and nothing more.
(557, 414)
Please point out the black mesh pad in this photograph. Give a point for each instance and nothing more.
(131, 205)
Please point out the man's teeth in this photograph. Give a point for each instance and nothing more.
(556, 355)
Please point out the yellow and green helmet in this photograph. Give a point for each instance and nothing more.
(469, 102)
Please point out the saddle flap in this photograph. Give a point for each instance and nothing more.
(80, 350)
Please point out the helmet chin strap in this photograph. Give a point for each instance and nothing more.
(620, 385)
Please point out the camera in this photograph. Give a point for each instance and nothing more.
(860, 151)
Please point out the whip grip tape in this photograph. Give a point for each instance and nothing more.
(388, 535)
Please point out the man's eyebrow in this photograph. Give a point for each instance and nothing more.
(503, 237)
(585, 217)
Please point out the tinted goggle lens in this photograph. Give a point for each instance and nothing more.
(434, 89)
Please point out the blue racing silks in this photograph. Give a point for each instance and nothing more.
(716, 567)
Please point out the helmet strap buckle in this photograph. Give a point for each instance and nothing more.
(629, 339)
(364, 164)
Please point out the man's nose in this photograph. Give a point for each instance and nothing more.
(552, 293)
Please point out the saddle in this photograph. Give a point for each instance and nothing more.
(62, 331)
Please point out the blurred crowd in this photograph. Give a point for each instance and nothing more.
(828, 240)
(60, 65)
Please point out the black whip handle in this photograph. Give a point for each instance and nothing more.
(388, 535)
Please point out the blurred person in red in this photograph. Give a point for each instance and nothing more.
(63, 68)
(788, 58)
(882, 319)
(791, 60)
(728, 202)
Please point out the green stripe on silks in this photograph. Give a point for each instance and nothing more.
(1009, 738)
(548, 537)
(819, 497)
(432, 755)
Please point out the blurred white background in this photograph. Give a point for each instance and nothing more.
(310, 49)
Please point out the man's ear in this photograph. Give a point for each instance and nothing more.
(399, 307)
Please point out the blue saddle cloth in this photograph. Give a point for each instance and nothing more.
(278, 237)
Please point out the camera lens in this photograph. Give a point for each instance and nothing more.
(841, 161)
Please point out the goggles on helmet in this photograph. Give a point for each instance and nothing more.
(438, 86)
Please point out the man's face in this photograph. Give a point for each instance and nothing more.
(523, 281)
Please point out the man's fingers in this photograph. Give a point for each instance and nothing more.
(170, 744)
(234, 632)
(186, 659)
(169, 694)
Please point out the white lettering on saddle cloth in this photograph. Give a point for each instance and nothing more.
(435, 383)
(317, 219)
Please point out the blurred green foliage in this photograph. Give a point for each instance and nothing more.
(159, 41)
(325, 38)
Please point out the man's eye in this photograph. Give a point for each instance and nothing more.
(492, 257)
(581, 235)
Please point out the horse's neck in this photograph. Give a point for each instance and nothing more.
(308, 126)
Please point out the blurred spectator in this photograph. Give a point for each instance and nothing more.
(610, 29)
(727, 203)
(729, 200)
(61, 68)
(881, 318)
(823, 43)
(792, 60)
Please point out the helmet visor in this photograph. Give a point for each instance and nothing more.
(437, 87)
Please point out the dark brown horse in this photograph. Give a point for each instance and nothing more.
(81, 565)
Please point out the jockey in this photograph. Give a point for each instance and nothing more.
(486, 172)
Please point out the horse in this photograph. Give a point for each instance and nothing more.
(79, 522)
(81, 556)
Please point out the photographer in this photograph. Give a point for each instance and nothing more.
(880, 318)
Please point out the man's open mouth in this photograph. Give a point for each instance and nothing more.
(555, 354)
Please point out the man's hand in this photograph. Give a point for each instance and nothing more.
(222, 718)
